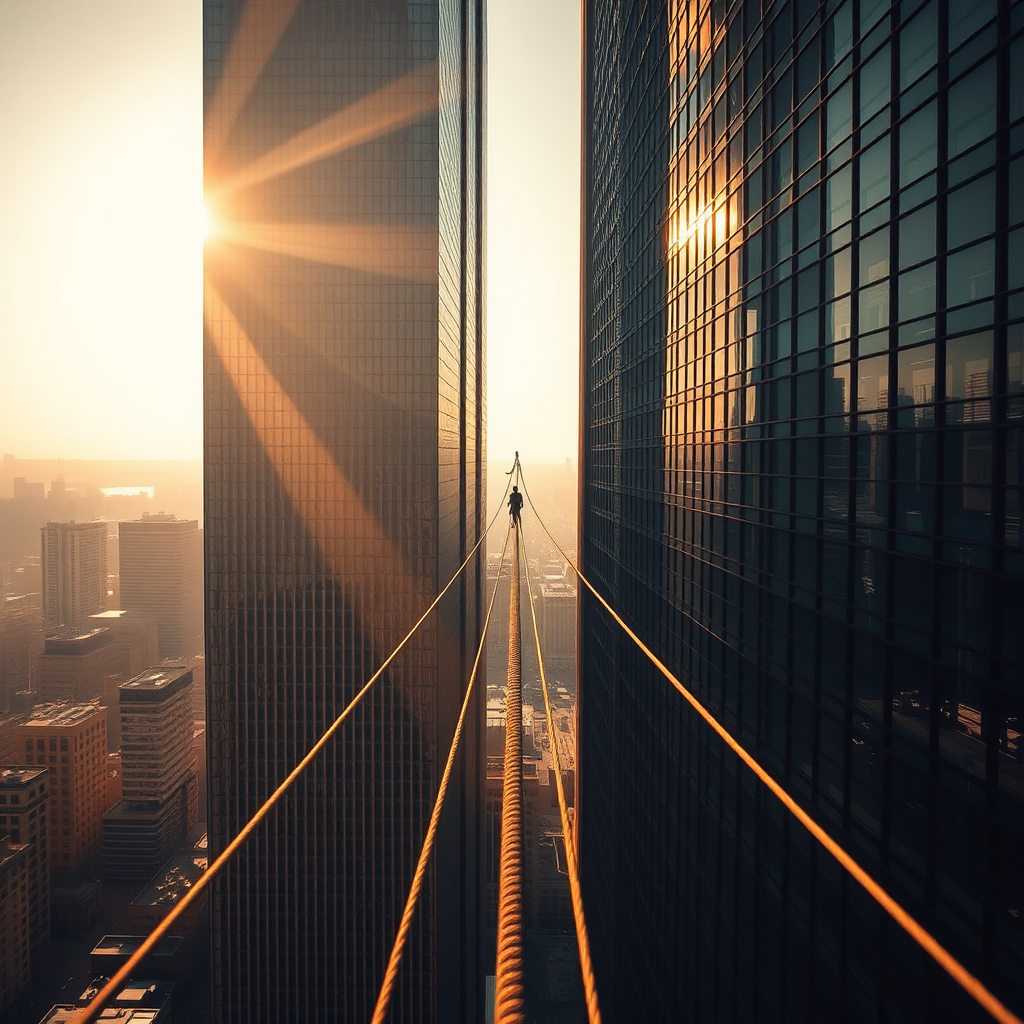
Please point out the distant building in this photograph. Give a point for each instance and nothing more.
(75, 909)
(24, 800)
(161, 570)
(74, 559)
(82, 664)
(71, 740)
(14, 922)
(166, 962)
(557, 625)
(136, 634)
(68, 1013)
(159, 773)
(10, 738)
(163, 893)
(20, 641)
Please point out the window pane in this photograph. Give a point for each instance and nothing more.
(917, 292)
(874, 257)
(966, 19)
(971, 212)
(972, 109)
(918, 145)
(919, 46)
(874, 307)
(838, 200)
(874, 174)
(970, 274)
(917, 236)
(917, 376)
(839, 116)
(875, 79)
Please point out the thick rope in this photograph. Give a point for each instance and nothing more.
(956, 970)
(509, 999)
(582, 939)
(116, 983)
(380, 1011)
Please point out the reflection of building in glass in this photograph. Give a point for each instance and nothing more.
(343, 451)
(803, 461)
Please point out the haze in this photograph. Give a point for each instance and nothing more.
(102, 220)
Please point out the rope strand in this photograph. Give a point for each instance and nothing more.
(510, 971)
(582, 938)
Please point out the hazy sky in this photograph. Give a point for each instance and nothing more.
(101, 223)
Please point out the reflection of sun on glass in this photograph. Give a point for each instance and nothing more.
(204, 223)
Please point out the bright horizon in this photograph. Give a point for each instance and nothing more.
(101, 249)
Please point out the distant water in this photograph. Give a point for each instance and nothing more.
(127, 492)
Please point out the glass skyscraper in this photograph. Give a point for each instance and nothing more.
(344, 446)
(801, 484)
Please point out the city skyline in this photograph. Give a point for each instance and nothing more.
(104, 197)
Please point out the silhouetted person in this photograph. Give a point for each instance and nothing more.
(515, 505)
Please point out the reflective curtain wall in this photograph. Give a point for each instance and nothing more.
(344, 454)
(801, 484)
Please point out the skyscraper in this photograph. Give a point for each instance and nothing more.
(74, 572)
(801, 484)
(344, 359)
(160, 561)
(159, 773)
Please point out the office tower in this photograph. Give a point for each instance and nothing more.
(344, 486)
(159, 777)
(15, 967)
(801, 483)
(71, 740)
(23, 819)
(161, 568)
(74, 572)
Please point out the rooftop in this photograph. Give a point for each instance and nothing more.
(65, 715)
(174, 879)
(12, 777)
(126, 945)
(75, 640)
(156, 683)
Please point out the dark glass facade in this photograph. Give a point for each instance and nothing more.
(344, 446)
(801, 462)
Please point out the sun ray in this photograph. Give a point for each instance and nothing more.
(345, 531)
(386, 110)
(259, 30)
(407, 253)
